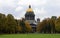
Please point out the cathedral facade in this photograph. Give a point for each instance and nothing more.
(30, 17)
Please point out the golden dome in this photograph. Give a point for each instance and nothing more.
(29, 9)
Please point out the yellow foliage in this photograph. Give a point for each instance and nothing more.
(28, 26)
(18, 28)
(39, 26)
(57, 24)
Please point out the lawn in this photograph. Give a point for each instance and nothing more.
(30, 36)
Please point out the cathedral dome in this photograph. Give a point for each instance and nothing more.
(29, 9)
(29, 12)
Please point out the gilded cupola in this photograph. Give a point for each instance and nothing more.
(29, 9)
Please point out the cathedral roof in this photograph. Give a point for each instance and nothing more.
(29, 9)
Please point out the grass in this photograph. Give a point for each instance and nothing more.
(30, 36)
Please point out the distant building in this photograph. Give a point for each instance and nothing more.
(30, 17)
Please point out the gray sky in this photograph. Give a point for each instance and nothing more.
(42, 8)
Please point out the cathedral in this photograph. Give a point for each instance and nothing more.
(30, 17)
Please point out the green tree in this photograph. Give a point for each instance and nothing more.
(2, 23)
(11, 24)
(22, 24)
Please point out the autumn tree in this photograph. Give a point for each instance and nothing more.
(57, 25)
(52, 22)
(25, 26)
(28, 27)
(18, 27)
(44, 26)
(41, 26)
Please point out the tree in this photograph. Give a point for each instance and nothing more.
(22, 24)
(41, 26)
(57, 24)
(44, 26)
(52, 22)
(18, 28)
(11, 23)
(28, 26)
(2, 23)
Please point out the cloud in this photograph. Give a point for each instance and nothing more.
(19, 8)
(8, 3)
(42, 8)
(53, 2)
(40, 11)
(32, 2)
